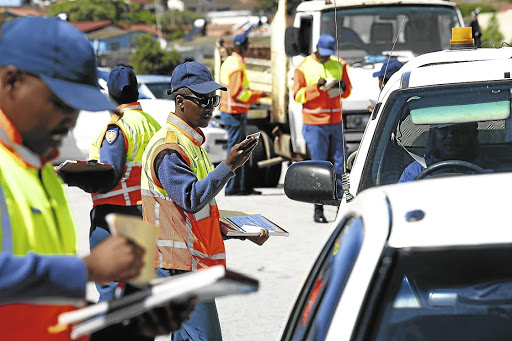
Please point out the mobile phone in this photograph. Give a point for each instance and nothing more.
(249, 147)
(255, 135)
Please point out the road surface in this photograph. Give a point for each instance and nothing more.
(280, 265)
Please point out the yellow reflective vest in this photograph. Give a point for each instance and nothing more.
(138, 127)
(186, 241)
(35, 217)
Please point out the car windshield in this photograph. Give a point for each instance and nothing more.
(372, 30)
(411, 121)
(455, 294)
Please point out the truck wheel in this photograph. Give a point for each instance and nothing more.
(266, 176)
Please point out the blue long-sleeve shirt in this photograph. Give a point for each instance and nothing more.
(113, 152)
(33, 275)
(182, 184)
(415, 168)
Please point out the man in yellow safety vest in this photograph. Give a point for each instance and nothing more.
(47, 74)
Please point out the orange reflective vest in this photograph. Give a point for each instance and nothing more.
(317, 107)
(238, 98)
(138, 128)
(35, 217)
(186, 241)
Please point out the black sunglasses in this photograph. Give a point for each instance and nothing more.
(204, 102)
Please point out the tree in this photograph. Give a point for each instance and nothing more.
(492, 33)
(150, 58)
(90, 10)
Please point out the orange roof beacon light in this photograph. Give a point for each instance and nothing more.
(462, 38)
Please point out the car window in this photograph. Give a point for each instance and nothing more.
(406, 128)
(455, 294)
(326, 283)
(159, 90)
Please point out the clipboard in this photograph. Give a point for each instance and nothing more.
(90, 176)
(205, 285)
(81, 167)
(242, 224)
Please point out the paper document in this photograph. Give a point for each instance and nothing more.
(143, 234)
(205, 285)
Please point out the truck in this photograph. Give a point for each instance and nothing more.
(367, 34)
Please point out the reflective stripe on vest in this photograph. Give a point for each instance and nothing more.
(186, 241)
(138, 128)
(230, 103)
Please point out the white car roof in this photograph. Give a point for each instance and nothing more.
(457, 211)
(455, 66)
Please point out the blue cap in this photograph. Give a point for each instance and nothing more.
(122, 80)
(326, 45)
(60, 55)
(195, 76)
(394, 66)
(240, 39)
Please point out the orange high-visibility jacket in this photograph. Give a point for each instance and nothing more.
(186, 241)
(317, 107)
(138, 128)
(239, 96)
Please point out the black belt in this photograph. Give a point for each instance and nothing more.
(174, 272)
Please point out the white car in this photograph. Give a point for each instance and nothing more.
(153, 101)
(460, 85)
(426, 260)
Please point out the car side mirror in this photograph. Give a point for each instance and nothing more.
(313, 182)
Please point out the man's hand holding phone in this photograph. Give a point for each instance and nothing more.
(240, 152)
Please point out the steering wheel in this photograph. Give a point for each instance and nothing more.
(463, 165)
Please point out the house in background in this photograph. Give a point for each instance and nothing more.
(8, 14)
(113, 43)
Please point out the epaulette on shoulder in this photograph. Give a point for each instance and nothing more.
(171, 137)
(115, 118)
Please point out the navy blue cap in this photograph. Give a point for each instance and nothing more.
(394, 66)
(60, 55)
(122, 80)
(326, 45)
(240, 39)
(195, 76)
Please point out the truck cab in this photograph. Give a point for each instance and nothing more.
(367, 33)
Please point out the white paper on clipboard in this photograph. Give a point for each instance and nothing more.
(205, 285)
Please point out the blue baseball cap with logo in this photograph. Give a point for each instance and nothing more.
(196, 77)
(60, 55)
(122, 81)
(326, 45)
(393, 66)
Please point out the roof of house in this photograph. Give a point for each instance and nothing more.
(90, 26)
(111, 32)
(24, 11)
(141, 28)
(121, 29)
